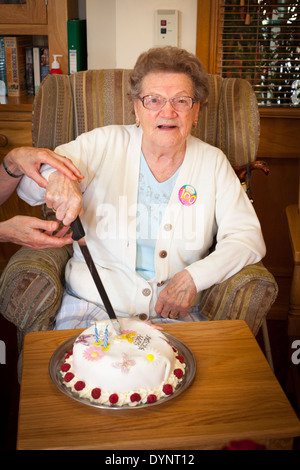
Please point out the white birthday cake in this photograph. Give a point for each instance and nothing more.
(139, 366)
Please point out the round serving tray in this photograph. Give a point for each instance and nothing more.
(58, 358)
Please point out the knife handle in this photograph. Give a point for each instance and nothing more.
(78, 230)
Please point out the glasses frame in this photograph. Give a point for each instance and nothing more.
(166, 101)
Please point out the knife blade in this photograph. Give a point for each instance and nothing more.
(78, 234)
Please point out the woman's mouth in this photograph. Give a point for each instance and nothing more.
(166, 127)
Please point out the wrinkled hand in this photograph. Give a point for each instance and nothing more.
(28, 161)
(177, 297)
(26, 231)
(64, 197)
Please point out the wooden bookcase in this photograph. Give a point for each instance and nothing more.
(34, 18)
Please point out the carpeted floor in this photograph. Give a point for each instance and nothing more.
(9, 387)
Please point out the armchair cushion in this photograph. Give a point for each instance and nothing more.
(53, 124)
(238, 122)
(247, 295)
(31, 287)
(100, 99)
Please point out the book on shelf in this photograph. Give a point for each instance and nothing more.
(29, 71)
(3, 86)
(15, 60)
(37, 67)
(22, 66)
(44, 62)
(77, 45)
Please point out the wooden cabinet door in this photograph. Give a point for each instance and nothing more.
(28, 12)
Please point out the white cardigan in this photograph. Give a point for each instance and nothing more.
(109, 158)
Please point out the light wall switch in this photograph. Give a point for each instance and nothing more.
(167, 28)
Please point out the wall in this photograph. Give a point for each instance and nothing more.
(119, 30)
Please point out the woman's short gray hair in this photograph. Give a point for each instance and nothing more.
(170, 59)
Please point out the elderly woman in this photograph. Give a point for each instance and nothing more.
(154, 200)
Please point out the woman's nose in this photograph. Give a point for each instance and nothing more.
(168, 110)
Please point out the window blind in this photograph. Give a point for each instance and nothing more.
(259, 40)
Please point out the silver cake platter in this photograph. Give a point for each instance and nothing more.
(58, 357)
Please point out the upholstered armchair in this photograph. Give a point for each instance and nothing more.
(31, 286)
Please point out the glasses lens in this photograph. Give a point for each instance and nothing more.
(182, 103)
(156, 102)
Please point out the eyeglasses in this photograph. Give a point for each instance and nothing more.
(157, 102)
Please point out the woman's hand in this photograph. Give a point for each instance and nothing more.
(26, 231)
(28, 161)
(175, 300)
(64, 197)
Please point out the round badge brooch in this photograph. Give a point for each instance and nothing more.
(187, 195)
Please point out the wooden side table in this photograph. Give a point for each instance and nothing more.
(234, 396)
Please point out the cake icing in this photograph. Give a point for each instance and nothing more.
(139, 366)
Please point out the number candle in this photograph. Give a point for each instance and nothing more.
(96, 334)
(105, 338)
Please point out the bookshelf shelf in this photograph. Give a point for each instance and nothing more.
(15, 103)
(23, 29)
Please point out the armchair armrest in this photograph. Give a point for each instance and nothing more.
(31, 288)
(248, 295)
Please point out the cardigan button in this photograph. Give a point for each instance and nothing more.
(146, 292)
(163, 254)
(168, 227)
(143, 316)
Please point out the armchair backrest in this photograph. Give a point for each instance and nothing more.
(68, 105)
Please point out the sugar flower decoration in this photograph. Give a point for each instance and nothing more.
(93, 354)
(153, 356)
